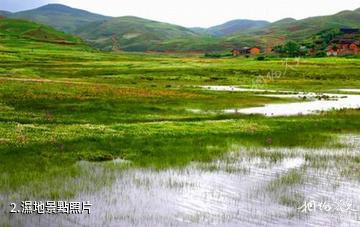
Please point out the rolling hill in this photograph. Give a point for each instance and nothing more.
(137, 34)
(15, 29)
(199, 30)
(60, 16)
(4, 13)
(235, 26)
(298, 30)
(132, 33)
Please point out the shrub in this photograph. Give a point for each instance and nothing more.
(260, 58)
(320, 54)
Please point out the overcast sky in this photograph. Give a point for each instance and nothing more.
(192, 13)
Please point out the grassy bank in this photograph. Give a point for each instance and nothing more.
(61, 104)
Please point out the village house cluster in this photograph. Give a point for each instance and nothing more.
(246, 51)
(343, 47)
(347, 44)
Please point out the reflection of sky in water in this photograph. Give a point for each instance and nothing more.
(231, 192)
(350, 90)
(309, 105)
(287, 109)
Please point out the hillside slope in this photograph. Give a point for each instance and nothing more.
(298, 30)
(60, 16)
(138, 34)
(4, 13)
(17, 28)
(132, 33)
(235, 26)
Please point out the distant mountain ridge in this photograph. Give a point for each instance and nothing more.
(60, 16)
(132, 33)
(235, 26)
(138, 34)
(23, 29)
(4, 13)
(298, 30)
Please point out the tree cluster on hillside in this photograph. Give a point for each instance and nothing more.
(321, 40)
(290, 48)
(316, 45)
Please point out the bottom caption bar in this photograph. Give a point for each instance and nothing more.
(51, 207)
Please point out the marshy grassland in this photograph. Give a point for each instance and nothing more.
(61, 105)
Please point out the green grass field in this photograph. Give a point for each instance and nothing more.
(60, 104)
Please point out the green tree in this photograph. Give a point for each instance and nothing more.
(292, 48)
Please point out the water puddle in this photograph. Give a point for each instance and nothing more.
(336, 102)
(350, 90)
(238, 190)
(239, 89)
(311, 103)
